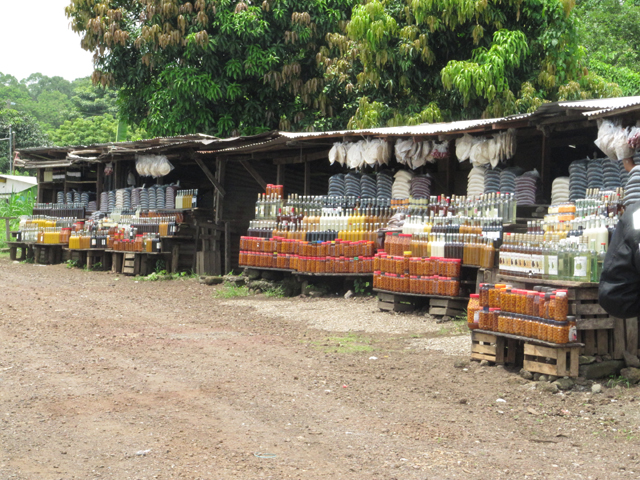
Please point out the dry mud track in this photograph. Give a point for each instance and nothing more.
(103, 377)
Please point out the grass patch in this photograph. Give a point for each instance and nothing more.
(72, 263)
(230, 290)
(163, 275)
(618, 382)
(458, 326)
(277, 292)
(351, 343)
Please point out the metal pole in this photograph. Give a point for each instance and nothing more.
(10, 151)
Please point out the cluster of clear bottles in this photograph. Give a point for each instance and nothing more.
(488, 227)
(601, 203)
(470, 248)
(187, 199)
(537, 256)
(315, 223)
(60, 210)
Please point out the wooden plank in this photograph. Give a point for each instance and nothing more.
(483, 337)
(539, 351)
(595, 323)
(387, 306)
(538, 367)
(403, 307)
(589, 342)
(487, 349)
(386, 297)
(480, 356)
(227, 249)
(619, 343)
(451, 312)
(587, 294)
(602, 342)
(280, 174)
(586, 309)
(561, 362)
(512, 349)
(631, 325)
(499, 350)
(256, 176)
(574, 367)
(210, 176)
(444, 302)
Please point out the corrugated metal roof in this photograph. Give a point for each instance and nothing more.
(423, 129)
(602, 103)
(20, 178)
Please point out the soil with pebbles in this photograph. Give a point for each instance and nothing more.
(103, 377)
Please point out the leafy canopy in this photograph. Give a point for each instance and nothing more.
(418, 60)
(221, 67)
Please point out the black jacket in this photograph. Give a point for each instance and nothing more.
(619, 289)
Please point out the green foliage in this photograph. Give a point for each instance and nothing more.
(87, 131)
(626, 78)
(463, 59)
(231, 290)
(15, 205)
(610, 32)
(276, 292)
(362, 287)
(26, 130)
(222, 68)
(349, 344)
(72, 263)
(163, 275)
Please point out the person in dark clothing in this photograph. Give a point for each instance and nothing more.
(619, 289)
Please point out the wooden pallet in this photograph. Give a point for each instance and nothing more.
(493, 348)
(129, 264)
(47, 254)
(450, 307)
(391, 302)
(600, 333)
(560, 361)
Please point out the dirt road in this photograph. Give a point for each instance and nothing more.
(103, 377)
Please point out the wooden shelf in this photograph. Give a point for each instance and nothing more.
(81, 181)
(529, 340)
(306, 274)
(551, 283)
(86, 249)
(419, 295)
(267, 268)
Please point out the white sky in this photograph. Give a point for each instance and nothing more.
(35, 36)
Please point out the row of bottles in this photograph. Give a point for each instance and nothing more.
(526, 255)
(471, 249)
(494, 205)
(60, 210)
(489, 227)
(186, 199)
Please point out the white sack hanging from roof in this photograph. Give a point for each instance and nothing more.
(402, 149)
(354, 155)
(338, 153)
(153, 165)
(463, 147)
(614, 141)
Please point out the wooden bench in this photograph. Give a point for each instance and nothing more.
(25, 248)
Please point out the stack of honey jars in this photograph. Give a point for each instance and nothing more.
(421, 276)
(307, 257)
(540, 314)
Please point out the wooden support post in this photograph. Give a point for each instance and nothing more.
(256, 176)
(7, 226)
(175, 258)
(209, 175)
(307, 178)
(227, 248)
(280, 174)
(619, 343)
(99, 182)
(631, 325)
(545, 164)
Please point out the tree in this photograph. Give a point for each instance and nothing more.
(90, 101)
(221, 67)
(610, 34)
(432, 59)
(27, 133)
(91, 130)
